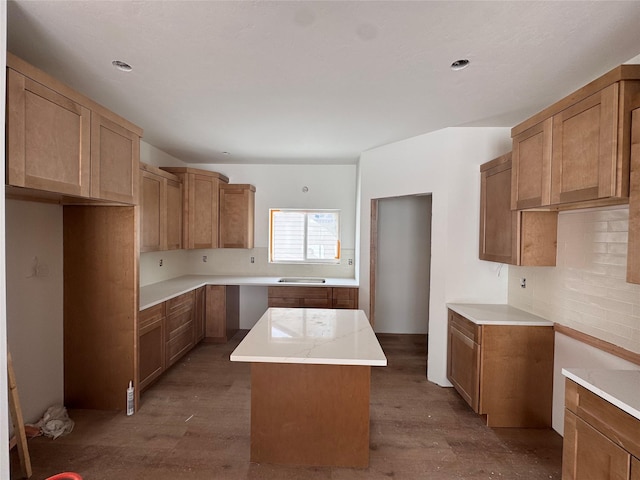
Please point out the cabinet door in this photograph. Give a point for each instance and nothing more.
(498, 223)
(202, 212)
(237, 205)
(538, 237)
(585, 146)
(463, 361)
(633, 254)
(531, 162)
(199, 316)
(216, 309)
(635, 469)
(174, 215)
(48, 139)
(589, 455)
(345, 298)
(180, 326)
(115, 157)
(152, 199)
(151, 344)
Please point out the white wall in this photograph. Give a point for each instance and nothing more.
(403, 265)
(586, 291)
(446, 164)
(35, 303)
(4, 406)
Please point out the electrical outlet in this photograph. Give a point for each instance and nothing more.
(350, 261)
(523, 283)
(253, 259)
(204, 258)
(160, 262)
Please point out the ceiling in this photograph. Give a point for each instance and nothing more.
(319, 81)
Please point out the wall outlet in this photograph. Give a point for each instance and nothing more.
(523, 283)
(253, 259)
(350, 261)
(160, 262)
(204, 258)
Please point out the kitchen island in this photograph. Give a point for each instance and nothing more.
(310, 385)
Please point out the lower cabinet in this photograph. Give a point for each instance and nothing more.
(180, 326)
(313, 297)
(222, 312)
(151, 344)
(600, 440)
(504, 372)
(199, 314)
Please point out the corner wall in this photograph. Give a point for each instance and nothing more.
(446, 164)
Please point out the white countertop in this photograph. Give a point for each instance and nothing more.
(498, 314)
(156, 293)
(619, 387)
(311, 336)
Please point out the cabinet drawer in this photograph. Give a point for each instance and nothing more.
(605, 417)
(284, 302)
(316, 302)
(180, 344)
(150, 316)
(465, 327)
(176, 322)
(180, 303)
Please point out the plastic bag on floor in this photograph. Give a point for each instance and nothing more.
(55, 422)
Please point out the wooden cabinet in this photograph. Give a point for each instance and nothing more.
(504, 372)
(222, 312)
(576, 152)
(160, 210)
(531, 175)
(151, 345)
(313, 297)
(600, 440)
(199, 314)
(237, 212)
(180, 326)
(60, 141)
(200, 203)
(509, 236)
(633, 253)
(344, 297)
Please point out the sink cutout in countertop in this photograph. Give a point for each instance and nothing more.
(301, 280)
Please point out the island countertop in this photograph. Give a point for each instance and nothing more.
(311, 336)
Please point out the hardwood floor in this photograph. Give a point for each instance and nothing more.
(194, 424)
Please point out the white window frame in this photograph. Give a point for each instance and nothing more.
(306, 259)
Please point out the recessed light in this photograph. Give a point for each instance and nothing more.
(122, 66)
(460, 64)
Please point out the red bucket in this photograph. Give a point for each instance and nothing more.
(65, 476)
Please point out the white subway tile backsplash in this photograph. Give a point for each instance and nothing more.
(587, 290)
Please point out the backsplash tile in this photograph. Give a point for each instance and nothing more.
(587, 290)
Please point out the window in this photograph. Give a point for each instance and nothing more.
(304, 236)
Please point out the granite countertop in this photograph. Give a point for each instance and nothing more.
(311, 336)
(619, 387)
(498, 314)
(156, 293)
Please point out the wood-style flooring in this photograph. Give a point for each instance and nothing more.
(194, 424)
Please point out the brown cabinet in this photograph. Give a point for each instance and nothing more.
(510, 236)
(151, 344)
(222, 312)
(199, 314)
(160, 210)
(600, 440)
(180, 312)
(575, 153)
(237, 212)
(60, 141)
(313, 297)
(200, 203)
(633, 253)
(502, 371)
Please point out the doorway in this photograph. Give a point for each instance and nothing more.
(400, 264)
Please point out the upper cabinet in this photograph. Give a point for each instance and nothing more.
(577, 151)
(60, 141)
(237, 212)
(633, 253)
(160, 210)
(509, 236)
(200, 205)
